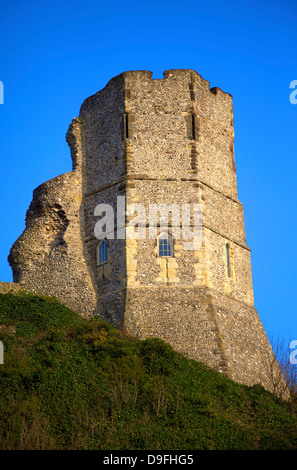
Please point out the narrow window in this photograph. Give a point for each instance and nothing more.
(193, 127)
(228, 260)
(102, 253)
(165, 244)
(126, 126)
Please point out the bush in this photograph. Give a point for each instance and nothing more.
(72, 383)
(158, 356)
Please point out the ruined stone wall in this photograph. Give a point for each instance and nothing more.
(49, 257)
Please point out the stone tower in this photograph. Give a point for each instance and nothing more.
(149, 142)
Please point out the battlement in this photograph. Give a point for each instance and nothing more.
(171, 74)
(186, 85)
(146, 120)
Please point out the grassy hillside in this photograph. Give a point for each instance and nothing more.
(69, 383)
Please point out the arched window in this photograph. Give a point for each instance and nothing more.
(165, 244)
(228, 259)
(102, 252)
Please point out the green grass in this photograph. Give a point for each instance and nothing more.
(72, 383)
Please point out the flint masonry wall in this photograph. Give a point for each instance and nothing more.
(104, 178)
(165, 141)
(180, 143)
(49, 257)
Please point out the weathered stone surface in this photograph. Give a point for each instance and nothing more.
(10, 287)
(158, 141)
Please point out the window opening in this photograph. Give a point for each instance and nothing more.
(193, 127)
(228, 260)
(165, 245)
(102, 252)
(126, 126)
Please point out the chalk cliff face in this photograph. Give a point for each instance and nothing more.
(167, 141)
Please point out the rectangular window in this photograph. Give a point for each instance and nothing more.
(126, 126)
(228, 260)
(193, 127)
(165, 245)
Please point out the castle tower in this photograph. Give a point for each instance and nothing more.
(143, 142)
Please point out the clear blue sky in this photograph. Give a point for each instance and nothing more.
(54, 54)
